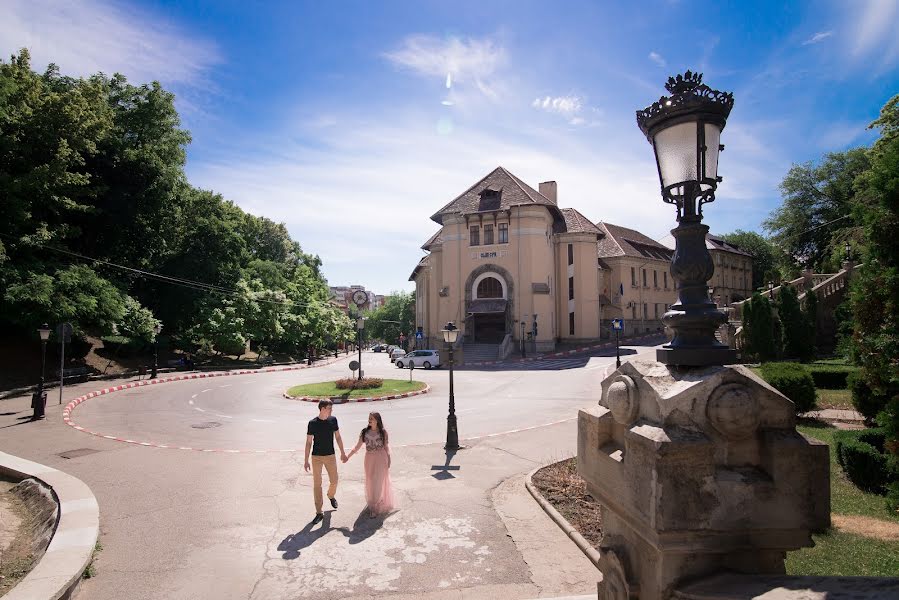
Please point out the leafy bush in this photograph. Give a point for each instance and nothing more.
(861, 455)
(119, 345)
(865, 400)
(366, 383)
(794, 381)
(831, 377)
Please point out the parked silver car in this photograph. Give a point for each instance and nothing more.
(419, 359)
(396, 353)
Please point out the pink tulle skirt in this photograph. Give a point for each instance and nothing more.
(378, 489)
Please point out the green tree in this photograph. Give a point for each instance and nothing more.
(758, 329)
(137, 322)
(795, 325)
(765, 259)
(875, 290)
(395, 316)
(805, 226)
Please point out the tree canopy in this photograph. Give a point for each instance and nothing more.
(102, 229)
(764, 255)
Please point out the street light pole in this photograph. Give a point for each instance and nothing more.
(360, 323)
(156, 329)
(450, 334)
(39, 400)
(522, 340)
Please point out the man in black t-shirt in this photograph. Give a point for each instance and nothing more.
(320, 436)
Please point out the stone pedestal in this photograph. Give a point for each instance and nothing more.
(698, 470)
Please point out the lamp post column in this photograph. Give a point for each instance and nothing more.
(39, 400)
(452, 432)
(522, 340)
(155, 358)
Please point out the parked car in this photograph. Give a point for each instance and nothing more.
(396, 353)
(419, 359)
(378, 348)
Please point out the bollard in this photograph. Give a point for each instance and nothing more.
(39, 405)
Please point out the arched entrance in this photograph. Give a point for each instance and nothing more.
(488, 308)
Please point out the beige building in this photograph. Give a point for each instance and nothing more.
(636, 280)
(508, 264)
(732, 281)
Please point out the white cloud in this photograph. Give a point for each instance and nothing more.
(564, 105)
(467, 62)
(657, 58)
(874, 31)
(818, 37)
(93, 35)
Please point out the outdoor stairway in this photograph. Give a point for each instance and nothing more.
(475, 353)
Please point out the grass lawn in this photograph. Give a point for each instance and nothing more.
(841, 399)
(837, 552)
(328, 389)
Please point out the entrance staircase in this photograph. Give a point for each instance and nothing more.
(480, 352)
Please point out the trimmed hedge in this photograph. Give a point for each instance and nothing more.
(794, 381)
(367, 383)
(831, 377)
(865, 400)
(860, 453)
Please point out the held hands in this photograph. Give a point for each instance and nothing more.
(344, 457)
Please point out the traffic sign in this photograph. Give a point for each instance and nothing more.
(354, 364)
(419, 335)
(617, 324)
(64, 332)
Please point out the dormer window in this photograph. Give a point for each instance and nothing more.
(490, 199)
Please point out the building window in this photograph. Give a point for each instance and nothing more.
(644, 277)
(488, 234)
(571, 288)
(490, 287)
(634, 312)
(657, 310)
(475, 234)
(570, 254)
(503, 233)
(655, 278)
(665, 278)
(633, 277)
(571, 323)
(645, 310)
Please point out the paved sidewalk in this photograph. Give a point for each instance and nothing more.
(835, 414)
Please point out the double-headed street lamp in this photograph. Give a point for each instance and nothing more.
(685, 132)
(39, 399)
(156, 330)
(450, 334)
(360, 325)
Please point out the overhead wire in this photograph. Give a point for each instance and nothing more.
(187, 283)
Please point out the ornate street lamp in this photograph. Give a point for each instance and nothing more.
(156, 329)
(685, 132)
(847, 248)
(360, 325)
(39, 399)
(450, 334)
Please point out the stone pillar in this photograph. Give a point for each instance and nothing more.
(698, 470)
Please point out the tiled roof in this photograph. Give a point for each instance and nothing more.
(434, 239)
(575, 222)
(512, 192)
(621, 241)
(712, 242)
(421, 264)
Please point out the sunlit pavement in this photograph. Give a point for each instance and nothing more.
(223, 510)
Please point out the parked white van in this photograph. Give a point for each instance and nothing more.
(420, 359)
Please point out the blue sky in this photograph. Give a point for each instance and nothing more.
(353, 122)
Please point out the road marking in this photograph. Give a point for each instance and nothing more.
(195, 395)
(199, 409)
(190, 401)
(224, 416)
(466, 410)
(421, 416)
(206, 390)
(224, 386)
(263, 421)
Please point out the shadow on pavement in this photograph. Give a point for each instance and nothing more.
(293, 543)
(365, 526)
(443, 471)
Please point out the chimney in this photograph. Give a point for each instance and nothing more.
(550, 190)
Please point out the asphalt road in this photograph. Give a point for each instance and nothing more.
(233, 521)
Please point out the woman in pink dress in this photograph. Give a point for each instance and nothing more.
(378, 489)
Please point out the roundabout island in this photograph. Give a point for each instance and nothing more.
(378, 389)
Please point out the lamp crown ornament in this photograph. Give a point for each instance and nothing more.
(683, 83)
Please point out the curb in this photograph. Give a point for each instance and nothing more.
(579, 540)
(54, 384)
(341, 400)
(605, 345)
(58, 572)
(73, 404)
